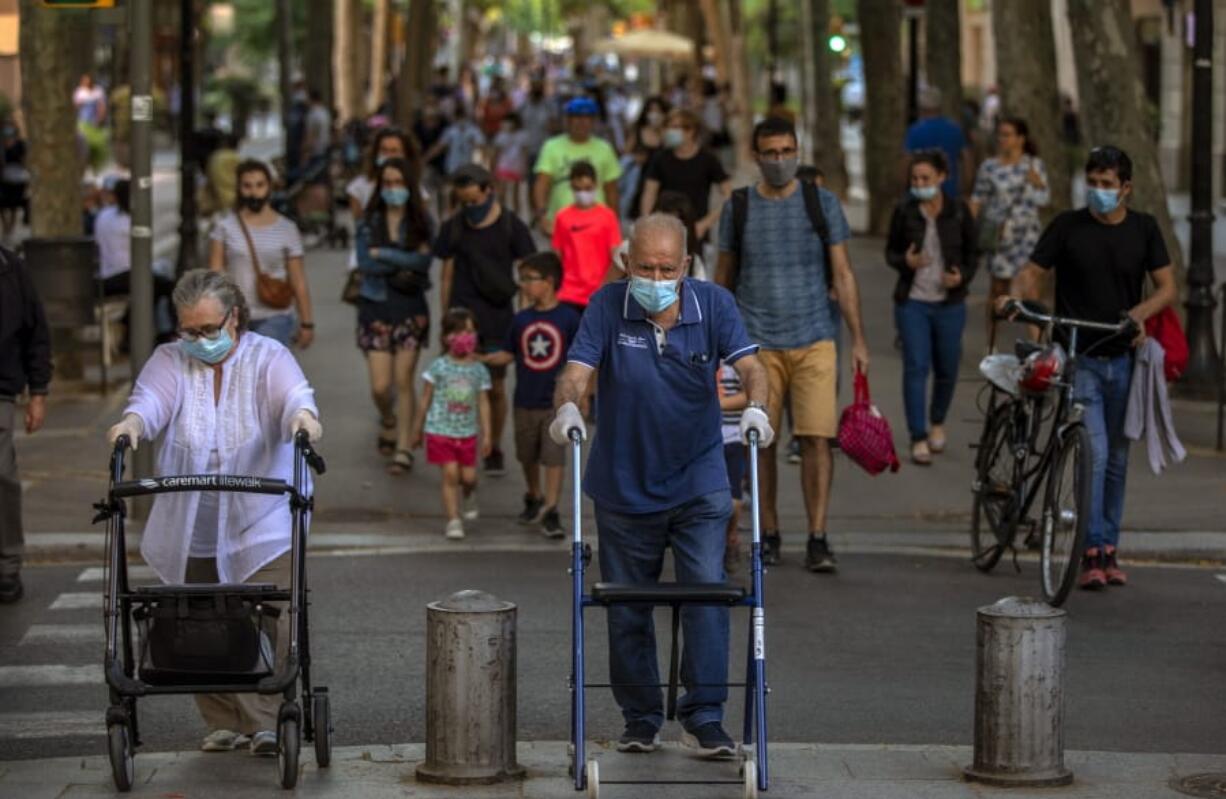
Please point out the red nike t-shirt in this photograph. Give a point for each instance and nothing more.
(584, 239)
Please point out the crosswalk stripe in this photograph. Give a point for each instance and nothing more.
(71, 601)
(95, 574)
(51, 724)
(63, 634)
(50, 674)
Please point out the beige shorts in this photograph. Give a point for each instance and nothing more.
(810, 376)
(532, 441)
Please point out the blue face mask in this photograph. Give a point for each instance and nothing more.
(653, 295)
(924, 192)
(476, 214)
(1103, 201)
(396, 197)
(209, 350)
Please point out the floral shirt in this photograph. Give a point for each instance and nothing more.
(1007, 199)
(457, 388)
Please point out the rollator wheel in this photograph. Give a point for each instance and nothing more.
(750, 772)
(593, 780)
(288, 744)
(323, 728)
(119, 747)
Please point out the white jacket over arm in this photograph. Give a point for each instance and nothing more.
(249, 426)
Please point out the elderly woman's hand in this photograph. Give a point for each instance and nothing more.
(305, 420)
(130, 426)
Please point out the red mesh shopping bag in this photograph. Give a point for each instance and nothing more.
(1164, 328)
(864, 434)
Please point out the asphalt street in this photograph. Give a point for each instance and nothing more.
(882, 653)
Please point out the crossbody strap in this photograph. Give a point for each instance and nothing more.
(255, 260)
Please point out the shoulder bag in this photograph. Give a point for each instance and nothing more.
(271, 291)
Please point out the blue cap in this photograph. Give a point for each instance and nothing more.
(582, 107)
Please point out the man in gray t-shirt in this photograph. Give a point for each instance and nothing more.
(776, 266)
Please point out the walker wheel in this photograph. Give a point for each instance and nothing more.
(288, 744)
(119, 747)
(593, 780)
(322, 718)
(750, 771)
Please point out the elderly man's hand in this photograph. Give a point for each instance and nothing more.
(756, 420)
(130, 426)
(568, 418)
(305, 420)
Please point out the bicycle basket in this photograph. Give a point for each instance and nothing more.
(210, 634)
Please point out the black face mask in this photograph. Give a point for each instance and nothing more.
(252, 203)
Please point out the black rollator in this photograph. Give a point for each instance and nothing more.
(753, 754)
(202, 638)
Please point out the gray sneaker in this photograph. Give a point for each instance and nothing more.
(264, 744)
(223, 741)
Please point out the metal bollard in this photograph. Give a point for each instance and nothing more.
(470, 691)
(1019, 695)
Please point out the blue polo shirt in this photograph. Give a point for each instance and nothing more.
(658, 444)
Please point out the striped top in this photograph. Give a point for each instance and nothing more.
(275, 244)
(730, 384)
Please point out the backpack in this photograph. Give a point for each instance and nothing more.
(813, 206)
(496, 286)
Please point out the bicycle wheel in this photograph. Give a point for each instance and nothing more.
(1066, 514)
(994, 509)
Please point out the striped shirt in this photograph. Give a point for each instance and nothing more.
(275, 244)
(730, 385)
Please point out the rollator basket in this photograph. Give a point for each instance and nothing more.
(205, 634)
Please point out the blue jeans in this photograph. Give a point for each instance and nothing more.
(931, 335)
(632, 551)
(1101, 386)
(280, 327)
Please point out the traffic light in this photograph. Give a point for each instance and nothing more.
(78, 3)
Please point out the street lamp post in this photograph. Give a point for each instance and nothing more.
(140, 293)
(1204, 371)
(188, 255)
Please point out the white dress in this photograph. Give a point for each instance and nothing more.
(262, 387)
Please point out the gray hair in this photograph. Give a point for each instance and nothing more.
(659, 223)
(199, 284)
(929, 98)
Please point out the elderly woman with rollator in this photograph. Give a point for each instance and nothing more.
(224, 400)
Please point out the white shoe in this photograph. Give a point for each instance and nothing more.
(455, 530)
(264, 743)
(223, 741)
(472, 511)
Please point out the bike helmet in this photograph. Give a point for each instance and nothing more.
(582, 107)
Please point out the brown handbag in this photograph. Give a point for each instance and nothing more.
(272, 292)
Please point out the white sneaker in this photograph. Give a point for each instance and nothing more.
(472, 511)
(455, 530)
(223, 741)
(264, 743)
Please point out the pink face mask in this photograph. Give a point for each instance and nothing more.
(463, 344)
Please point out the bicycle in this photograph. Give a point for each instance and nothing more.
(1014, 459)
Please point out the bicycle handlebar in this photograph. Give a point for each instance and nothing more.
(1017, 309)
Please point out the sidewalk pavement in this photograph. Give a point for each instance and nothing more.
(64, 471)
(808, 770)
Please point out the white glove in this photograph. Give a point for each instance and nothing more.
(568, 418)
(756, 419)
(305, 420)
(130, 426)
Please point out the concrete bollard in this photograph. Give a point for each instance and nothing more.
(470, 691)
(1019, 695)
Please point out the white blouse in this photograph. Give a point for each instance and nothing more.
(262, 387)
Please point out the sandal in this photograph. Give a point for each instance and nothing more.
(936, 444)
(387, 436)
(920, 454)
(402, 462)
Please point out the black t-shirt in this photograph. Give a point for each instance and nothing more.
(497, 246)
(1100, 269)
(692, 176)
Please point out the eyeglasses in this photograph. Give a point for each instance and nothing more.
(210, 332)
(777, 155)
(665, 271)
(526, 279)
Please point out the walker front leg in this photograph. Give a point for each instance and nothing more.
(577, 566)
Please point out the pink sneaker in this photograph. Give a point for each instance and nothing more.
(1114, 574)
(1092, 575)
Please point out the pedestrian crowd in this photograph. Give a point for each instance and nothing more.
(716, 323)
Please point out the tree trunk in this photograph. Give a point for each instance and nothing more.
(419, 53)
(943, 52)
(713, 22)
(884, 112)
(317, 50)
(379, 32)
(827, 143)
(47, 83)
(1115, 108)
(742, 101)
(1025, 64)
(347, 57)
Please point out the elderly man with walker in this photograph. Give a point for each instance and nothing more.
(658, 478)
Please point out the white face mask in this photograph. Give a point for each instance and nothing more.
(585, 199)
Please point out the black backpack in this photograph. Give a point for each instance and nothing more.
(813, 206)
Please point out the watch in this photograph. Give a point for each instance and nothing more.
(757, 405)
(307, 325)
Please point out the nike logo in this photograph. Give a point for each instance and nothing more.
(577, 228)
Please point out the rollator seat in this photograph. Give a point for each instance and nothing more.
(667, 593)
